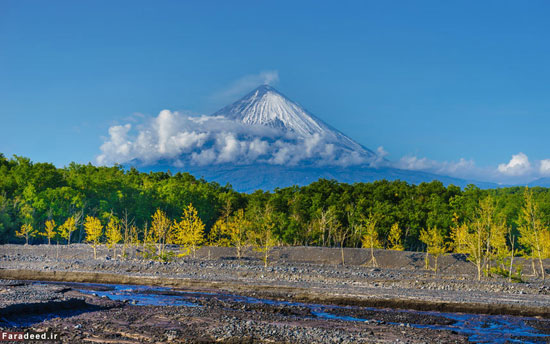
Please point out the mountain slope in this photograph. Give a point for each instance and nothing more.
(248, 178)
(542, 182)
(265, 106)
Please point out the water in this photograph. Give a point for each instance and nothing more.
(497, 328)
(478, 327)
(142, 295)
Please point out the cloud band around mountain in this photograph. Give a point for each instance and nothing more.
(182, 140)
(178, 139)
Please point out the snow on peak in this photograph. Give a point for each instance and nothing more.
(268, 107)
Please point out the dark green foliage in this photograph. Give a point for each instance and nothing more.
(58, 193)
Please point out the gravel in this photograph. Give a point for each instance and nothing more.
(295, 273)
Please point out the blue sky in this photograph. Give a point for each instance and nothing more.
(433, 82)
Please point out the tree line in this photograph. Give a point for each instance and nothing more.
(490, 226)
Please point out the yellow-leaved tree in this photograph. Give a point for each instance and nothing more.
(113, 234)
(341, 234)
(236, 231)
(533, 233)
(189, 231)
(217, 235)
(498, 250)
(126, 224)
(94, 231)
(459, 232)
(545, 238)
(67, 228)
(476, 239)
(49, 230)
(370, 237)
(27, 231)
(395, 238)
(435, 243)
(134, 235)
(263, 239)
(159, 233)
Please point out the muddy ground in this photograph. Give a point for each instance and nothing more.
(312, 275)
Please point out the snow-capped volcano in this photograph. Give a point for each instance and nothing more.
(262, 141)
(263, 127)
(266, 106)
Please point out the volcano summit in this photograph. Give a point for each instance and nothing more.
(268, 107)
(262, 141)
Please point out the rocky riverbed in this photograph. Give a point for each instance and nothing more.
(297, 275)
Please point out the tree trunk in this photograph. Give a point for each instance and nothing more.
(427, 261)
(535, 273)
(541, 267)
(372, 259)
(479, 271)
(511, 265)
(342, 250)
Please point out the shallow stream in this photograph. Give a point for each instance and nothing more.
(478, 327)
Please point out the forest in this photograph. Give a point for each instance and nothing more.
(36, 197)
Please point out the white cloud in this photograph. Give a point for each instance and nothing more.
(452, 167)
(544, 167)
(381, 152)
(180, 139)
(204, 157)
(463, 168)
(518, 170)
(519, 165)
(118, 147)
